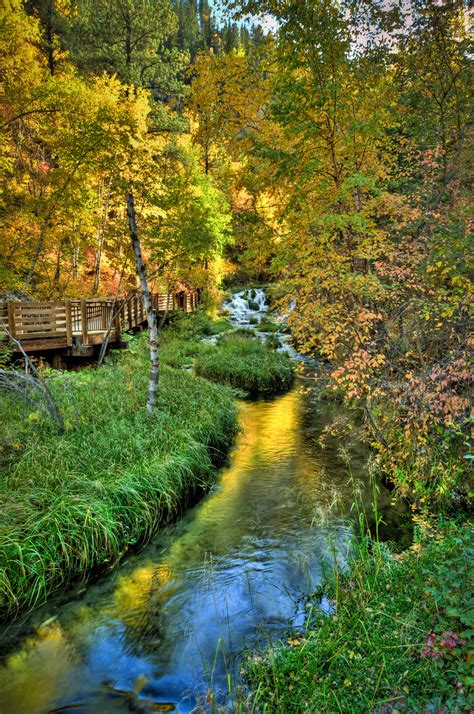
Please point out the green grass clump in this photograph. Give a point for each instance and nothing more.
(247, 364)
(267, 325)
(182, 340)
(399, 638)
(76, 502)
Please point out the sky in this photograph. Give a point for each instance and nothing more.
(268, 23)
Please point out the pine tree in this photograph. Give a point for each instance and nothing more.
(53, 21)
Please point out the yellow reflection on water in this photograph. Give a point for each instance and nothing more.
(133, 590)
(34, 676)
(274, 480)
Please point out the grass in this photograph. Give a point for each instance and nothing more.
(238, 359)
(182, 341)
(247, 364)
(267, 325)
(398, 639)
(76, 502)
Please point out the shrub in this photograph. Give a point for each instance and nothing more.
(266, 325)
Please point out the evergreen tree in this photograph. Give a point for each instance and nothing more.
(245, 38)
(189, 36)
(123, 37)
(231, 39)
(53, 21)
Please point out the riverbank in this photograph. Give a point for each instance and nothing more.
(397, 637)
(76, 502)
(248, 364)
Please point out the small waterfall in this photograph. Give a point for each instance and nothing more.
(246, 306)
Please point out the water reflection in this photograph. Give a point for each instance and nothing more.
(171, 623)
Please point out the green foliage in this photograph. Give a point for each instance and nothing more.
(193, 217)
(247, 364)
(360, 171)
(77, 502)
(123, 38)
(400, 636)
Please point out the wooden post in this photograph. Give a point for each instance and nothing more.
(105, 314)
(85, 339)
(135, 309)
(11, 317)
(68, 307)
(117, 323)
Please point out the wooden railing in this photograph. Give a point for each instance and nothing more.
(51, 325)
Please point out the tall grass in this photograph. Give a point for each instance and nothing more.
(77, 502)
(182, 341)
(398, 638)
(247, 364)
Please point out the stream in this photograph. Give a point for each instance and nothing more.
(170, 624)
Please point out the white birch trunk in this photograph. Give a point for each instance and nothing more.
(151, 315)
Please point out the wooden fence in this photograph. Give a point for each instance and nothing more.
(70, 323)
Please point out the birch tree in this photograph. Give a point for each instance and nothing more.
(147, 299)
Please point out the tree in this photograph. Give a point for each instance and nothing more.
(150, 312)
(228, 93)
(123, 37)
(370, 242)
(53, 16)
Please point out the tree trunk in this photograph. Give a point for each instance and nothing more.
(151, 315)
(103, 199)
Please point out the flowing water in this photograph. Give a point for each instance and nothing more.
(171, 623)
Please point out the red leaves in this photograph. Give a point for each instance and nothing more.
(448, 641)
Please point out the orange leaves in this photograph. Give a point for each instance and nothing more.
(358, 373)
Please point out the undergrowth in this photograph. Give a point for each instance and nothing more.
(237, 359)
(399, 637)
(76, 502)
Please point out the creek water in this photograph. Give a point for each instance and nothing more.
(171, 623)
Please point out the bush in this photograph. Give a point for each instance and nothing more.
(197, 324)
(248, 364)
(76, 502)
(274, 342)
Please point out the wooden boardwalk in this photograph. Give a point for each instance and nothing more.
(74, 327)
